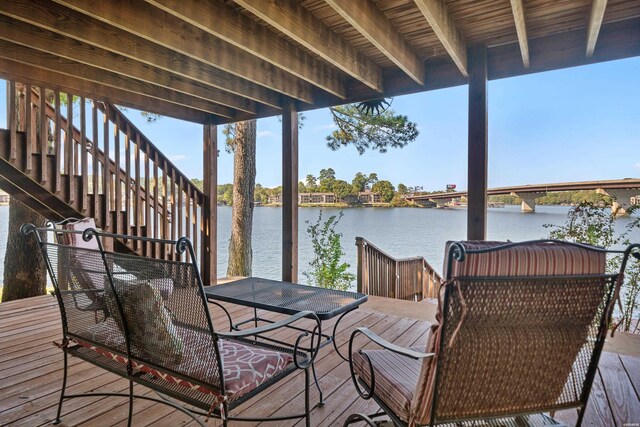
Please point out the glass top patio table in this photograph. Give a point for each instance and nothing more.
(285, 297)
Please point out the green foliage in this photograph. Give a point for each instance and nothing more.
(327, 270)
(360, 181)
(261, 194)
(342, 188)
(594, 224)
(386, 190)
(198, 183)
(327, 177)
(311, 183)
(506, 199)
(573, 198)
(399, 202)
(402, 189)
(370, 130)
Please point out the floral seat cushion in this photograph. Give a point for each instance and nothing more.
(246, 366)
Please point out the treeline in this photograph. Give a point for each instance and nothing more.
(557, 198)
(326, 182)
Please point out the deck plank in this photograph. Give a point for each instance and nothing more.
(621, 395)
(31, 369)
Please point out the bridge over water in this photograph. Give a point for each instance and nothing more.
(622, 191)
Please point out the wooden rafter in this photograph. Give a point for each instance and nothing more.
(18, 71)
(595, 22)
(70, 68)
(290, 18)
(442, 23)
(517, 7)
(365, 17)
(67, 22)
(228, 24)
(64, 47)
(159, 27)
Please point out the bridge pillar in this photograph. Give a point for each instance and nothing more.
(621, 199)
(440, 203)
(528, 200)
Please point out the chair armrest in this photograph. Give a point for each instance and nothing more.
(369, 390)
(316, 336)
(270, 327)
(416, 355)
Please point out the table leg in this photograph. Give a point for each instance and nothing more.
(333, 335)
(315, 379)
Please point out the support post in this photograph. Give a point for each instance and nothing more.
(290, 192)
(210, 217)
(478, 144)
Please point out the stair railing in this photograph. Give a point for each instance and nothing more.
(380, 274)
(99, 163)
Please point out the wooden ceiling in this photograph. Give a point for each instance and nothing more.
(222, 61)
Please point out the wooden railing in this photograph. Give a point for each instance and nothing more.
(95, 160)
(380, 274)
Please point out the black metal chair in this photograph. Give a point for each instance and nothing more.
(165, 338)
(521, 329)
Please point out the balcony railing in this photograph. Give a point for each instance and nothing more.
(380, 274)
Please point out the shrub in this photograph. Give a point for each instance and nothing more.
(327, 270)
(594, 224)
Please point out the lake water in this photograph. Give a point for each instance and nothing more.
(401, 232)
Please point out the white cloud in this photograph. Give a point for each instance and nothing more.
(265, 134)
(637, 165)
(177, 157)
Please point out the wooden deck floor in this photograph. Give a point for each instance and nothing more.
(31, 373)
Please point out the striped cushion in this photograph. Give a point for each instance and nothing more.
(396, 377)
(539, 259)
(536, 259)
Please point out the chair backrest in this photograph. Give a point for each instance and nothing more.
(151, 314)
(522, 327)
(79, 288)
(161, 307)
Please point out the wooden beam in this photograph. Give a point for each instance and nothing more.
(158, 26)
(595, 22)
(478, 145)
(442, 23)
(230, 25)
(290, 18)
(73, 24)
(210, 217)
(27, 55)
(517, 7)
(365, 17)
(56, 44)
(617, 40)
(17, 71)
(290, 193)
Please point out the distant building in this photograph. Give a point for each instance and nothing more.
(323, 198)
(275, 199)
(4, 198)
(368, 196)
(635, 200)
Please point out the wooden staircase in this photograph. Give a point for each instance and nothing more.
(94, 162)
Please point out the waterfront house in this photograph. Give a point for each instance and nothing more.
(219, 62)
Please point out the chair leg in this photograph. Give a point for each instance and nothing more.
(307, 406)
(358, 417)
(580, 415)
(64, 386)
(130, 403)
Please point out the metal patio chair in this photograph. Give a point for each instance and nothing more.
(166, 342)
(521, 328)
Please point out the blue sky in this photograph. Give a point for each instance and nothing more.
(575, 124)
